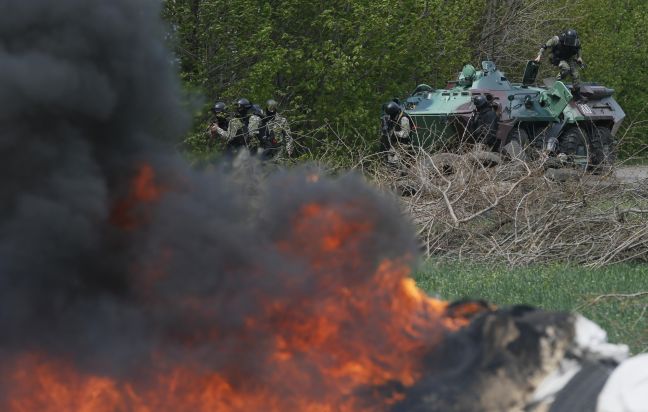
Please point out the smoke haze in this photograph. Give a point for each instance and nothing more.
(114, 255)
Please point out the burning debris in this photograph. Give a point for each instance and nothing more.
(129, 282)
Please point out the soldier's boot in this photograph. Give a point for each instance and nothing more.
(562, 75)
(578, 96)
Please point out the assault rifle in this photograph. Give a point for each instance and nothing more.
(385, 125)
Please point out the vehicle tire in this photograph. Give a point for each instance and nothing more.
(518, 141)
(603, 146)
(573, 142)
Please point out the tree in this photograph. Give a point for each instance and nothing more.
(342, 59)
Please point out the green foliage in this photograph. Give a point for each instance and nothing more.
(615, 50)
(340, 60)
(553, 288)
(334, 60)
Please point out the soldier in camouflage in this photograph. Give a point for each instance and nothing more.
(219, 119)
(255, 129)
(276, 133)
(566, 54)
(242, 130)
(484, 123)
(396, 126)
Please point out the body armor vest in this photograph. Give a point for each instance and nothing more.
(562, 52)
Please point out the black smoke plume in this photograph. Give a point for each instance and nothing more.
(119, 259)
(86, 93)
(88, 97)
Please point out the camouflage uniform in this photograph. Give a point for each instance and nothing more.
(219, 118)
(402, 130)
(277, 136)
(234, 136)
(568, 65)
(398, 135)
(238, 135)
(253, 130)
(216, 123)
(484, 125)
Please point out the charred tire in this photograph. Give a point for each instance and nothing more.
(603, 146)
(573, 143)
(518, 141)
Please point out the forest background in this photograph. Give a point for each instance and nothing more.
(335, 62)
(331, 65)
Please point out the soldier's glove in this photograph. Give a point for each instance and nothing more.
(211, 131)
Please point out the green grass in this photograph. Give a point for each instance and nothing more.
(554, 288)
(635, 161)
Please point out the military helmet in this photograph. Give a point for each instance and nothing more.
(570, 37)
(271, 106)
(480, 101)
(243, 105)
(219, 107)
(256, 109)
(392, 109)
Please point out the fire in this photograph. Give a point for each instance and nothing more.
(51, 386)
(143, 190)
(354, 342)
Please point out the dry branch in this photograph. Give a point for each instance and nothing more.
(471, 204)
(619, 296)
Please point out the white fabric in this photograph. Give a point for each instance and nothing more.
(627, 388)
(591, 343)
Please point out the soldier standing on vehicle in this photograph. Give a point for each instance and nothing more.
(566, 54)
(484, 124)
(275, 132)
(241, 129)
(396, 128)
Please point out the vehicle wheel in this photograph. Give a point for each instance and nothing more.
(518, 141)
(603, 147)
(536, 146)
(573, 142)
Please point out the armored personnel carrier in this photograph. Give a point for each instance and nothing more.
(530, 117)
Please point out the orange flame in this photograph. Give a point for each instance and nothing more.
(143, 190)
(340, 349)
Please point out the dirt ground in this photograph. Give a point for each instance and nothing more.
(630, 174)
(635, 174)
